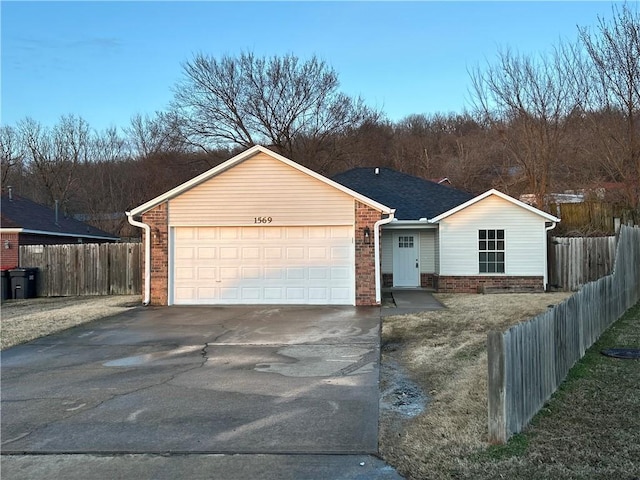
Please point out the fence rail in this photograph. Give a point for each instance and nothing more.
(575, 261)
(527, 363)
(85, 269)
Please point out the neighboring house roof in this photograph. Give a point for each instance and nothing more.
(24, 216)
(412, 197)
(372, 202)
(475, 200)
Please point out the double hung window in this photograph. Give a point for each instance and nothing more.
(491, 251)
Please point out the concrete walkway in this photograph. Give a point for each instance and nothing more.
(410, 301)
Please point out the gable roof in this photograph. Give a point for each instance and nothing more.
(412, 197)
(25, 216)
(497, 193)
(241, 158)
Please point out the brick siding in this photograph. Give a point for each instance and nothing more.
(476, 284)
(157, 219)
(9, 256)
(365, 255)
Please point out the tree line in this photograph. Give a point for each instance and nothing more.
(562, 120)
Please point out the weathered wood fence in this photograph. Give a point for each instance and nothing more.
(85, 269)
(528, 362)
(575, 261)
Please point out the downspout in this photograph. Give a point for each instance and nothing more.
(147, 256)
(546, 257)
(376, 248)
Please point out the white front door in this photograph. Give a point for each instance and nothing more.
(406, 265)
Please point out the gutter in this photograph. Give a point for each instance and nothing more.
(147, 256)
(376, 242)
(546, 257)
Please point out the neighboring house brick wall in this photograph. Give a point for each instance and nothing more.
(476, 284)
(157, 219)
(365, 255)
(9, 256)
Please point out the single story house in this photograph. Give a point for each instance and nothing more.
(262, 229)
(24, 222)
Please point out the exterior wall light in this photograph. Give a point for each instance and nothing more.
(7, 245)
(367, 235)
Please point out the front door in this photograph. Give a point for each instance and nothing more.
(406, 264)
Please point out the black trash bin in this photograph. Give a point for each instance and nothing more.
(6, 285)
(23, 282)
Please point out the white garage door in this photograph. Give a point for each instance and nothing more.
(263, 265)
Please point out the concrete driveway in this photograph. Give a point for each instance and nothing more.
(201, 381)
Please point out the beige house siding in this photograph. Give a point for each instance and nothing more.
(524, 233)
(284, 194)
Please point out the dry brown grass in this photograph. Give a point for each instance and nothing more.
(444, 352)
(25, 320)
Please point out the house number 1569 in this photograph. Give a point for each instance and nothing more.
(262, 219)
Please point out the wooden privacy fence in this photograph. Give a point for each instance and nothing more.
(528, 362)
(575, 261)
(85, 269)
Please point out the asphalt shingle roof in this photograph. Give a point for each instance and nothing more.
(20, 212)
(412, 197)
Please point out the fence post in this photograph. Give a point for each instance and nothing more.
(497, 388)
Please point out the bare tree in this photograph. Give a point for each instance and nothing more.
(152, 135)
(528, 101)
(241, 101)
(53, 155)
(612, 98)
(11, 151)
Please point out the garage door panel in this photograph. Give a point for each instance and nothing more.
(184, 253)
(295, 253)
(340, 253)
(273, 273)
(229, 253)
(229, 273)
(340, 273)
(249, 273)
(262, 264)
(229, 293)
(295, 273)
(206, 233)
(341, 294)
(318, 253)
(229, 233)
(207, 273)
(295, 294)
(318, 273)
(250, 253)
(206, 253)
(184, 273)
(273, 293)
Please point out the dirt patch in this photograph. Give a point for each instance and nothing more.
(444, 354)
(26, 320)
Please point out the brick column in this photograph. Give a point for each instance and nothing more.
(157, 219)
(365, 255)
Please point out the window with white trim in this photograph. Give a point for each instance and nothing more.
(491, 251)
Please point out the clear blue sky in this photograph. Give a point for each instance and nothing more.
(107, 61)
